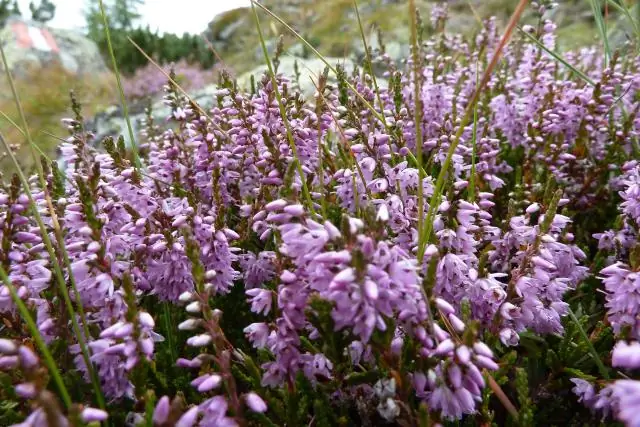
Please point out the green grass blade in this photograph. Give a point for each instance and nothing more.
(474, 147)
(373, 75)
(125, 109)
(592, 350)
(558, 58)
(622, 8)
(434, 203)
(417, 99)
(283, 113)
(37, 337)
(46, 239)
(602, 29)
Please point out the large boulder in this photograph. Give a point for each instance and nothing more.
(32, 44)
(111, 121)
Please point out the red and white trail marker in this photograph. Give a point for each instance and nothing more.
(30, 37)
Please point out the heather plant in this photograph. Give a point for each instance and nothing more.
(149, 81)
(449, 246)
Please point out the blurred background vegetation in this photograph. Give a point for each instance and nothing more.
(330, 26)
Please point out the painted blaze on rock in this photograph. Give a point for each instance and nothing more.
(32, 37)
(28, 43)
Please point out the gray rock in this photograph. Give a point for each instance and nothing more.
(111, 121)
(228, 30)
(227, 25)
(29, 43)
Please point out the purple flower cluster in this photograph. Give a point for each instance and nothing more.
(150, 81)
(46, 412)
(318, 215)
(621, 281)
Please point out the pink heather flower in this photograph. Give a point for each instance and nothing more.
(219, 202)
(257, 333)
(161, 412)
(626, 355)
(188, 419)
(90, 415)
(627, 392)
(255, 402)
(261, 300)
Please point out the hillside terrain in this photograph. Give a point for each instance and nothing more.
(332, 28)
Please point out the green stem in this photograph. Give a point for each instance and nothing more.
(592, 350)
(283, 112)
(125, 109)
(474, 149)
(169, 330)
(62, 286)
(35, 334)
(425, 234)
(417, 92)
(373, 75)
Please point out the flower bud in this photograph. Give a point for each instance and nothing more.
(199, 340)
(194, 307)
(189, 324)
(7, 347)
(185, 297)
(255, 403)
(90, 415)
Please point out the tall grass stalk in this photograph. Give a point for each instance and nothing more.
(62, 286)
(182, 91)
(474, 148)
(373, 74)
(602, 29)
(37, 337)
(624, 9)
(417, 95)
(283, 112)
(345, 142)
(123, 102)
(376, 114)
(434, 203)
(558, 58)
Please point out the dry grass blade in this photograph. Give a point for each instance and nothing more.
(425, 234)
(191, 100)
(283, 114)
(37, 337)
(345, 142)
(215, 53)
(53, 256)
(15, 125)
(361, 98)
(558, 58)
(123, 102)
